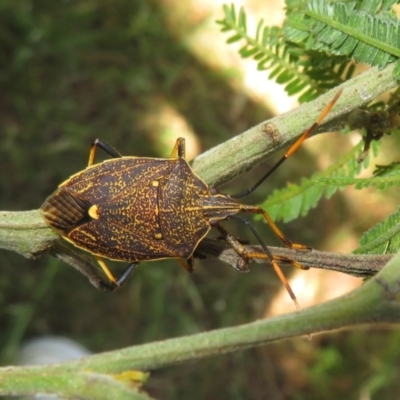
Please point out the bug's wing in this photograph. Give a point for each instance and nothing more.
(123, 198)
(140, 209)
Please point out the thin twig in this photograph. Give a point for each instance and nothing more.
(363, 266)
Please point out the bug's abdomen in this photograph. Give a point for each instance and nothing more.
(64, 210)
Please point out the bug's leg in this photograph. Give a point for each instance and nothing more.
(130, 269)
(186, 264)
(103, 146)
(179, 149)
(116, 282)
(288, 243)
(105, 269)
(287, 260)
(292, 148)
(242, 264)
(246, 256)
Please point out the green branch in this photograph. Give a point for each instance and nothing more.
(230, 159)
(377, 301)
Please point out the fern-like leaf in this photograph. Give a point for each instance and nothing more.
(384, 177)
(365, 30)
(384, 238)
(285, 61)
(295, 200)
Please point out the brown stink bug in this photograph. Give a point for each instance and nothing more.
(137, 209)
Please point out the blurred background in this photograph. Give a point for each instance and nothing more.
(138, 75)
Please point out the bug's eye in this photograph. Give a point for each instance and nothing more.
(214, 190)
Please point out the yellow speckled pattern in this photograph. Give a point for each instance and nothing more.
(136, 209)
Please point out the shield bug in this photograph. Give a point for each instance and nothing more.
(136, 209)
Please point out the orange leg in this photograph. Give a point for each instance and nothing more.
(105, 147)
(246, 257)
(292, 148)
(288, 243)
(312, 128)
(179, 149)
(186, 264)
(116, 283)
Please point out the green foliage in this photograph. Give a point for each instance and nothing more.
(384, 238)
(366, 31)
(384, 177)
(319, 42)
(272, 52)
(295, 200)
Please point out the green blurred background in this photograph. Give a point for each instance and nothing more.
(129, 72)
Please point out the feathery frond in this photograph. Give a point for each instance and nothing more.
(296, 200)
(319, 43)
(366, 31)
(283, 59)
(383, 238)
(385, 177)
